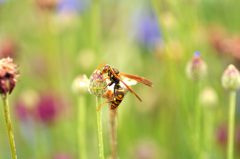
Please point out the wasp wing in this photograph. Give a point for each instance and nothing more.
(137, 78)
(129, 88)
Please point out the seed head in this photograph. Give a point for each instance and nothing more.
(231, 78)
(80, 84)
(208, 97)
(8, 75)
(196, 68)
(94, 83)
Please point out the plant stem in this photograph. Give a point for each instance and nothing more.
(113, 114)
(9, 126)
(232, 104)
(208, 130)
(198, 119)
(82, 126)
(99, 123)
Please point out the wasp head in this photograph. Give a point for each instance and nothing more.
(105, 69)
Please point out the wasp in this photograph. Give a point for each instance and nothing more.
(116, 97)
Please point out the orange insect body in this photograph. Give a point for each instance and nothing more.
(116, 97)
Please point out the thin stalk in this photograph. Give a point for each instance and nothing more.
(113, 114)
(208, 130)
(198, 120)
(232, 104)
(82, 126)
(99, 123)
(9, 126)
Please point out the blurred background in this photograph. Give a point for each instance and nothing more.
(54, 41)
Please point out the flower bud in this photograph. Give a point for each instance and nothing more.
(196, 68)
(231, 78)
(80, 85)
(95, 84)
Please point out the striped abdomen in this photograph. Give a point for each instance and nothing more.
(118, 96)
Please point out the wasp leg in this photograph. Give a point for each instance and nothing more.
(102, 104)
(107, 77)
(108, 94)
(100, 87)
(109, 84)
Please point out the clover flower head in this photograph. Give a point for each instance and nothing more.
(95, 85)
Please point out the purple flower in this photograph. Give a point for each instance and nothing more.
(62, 156)
(197, 54)
(72, 5)
(3, 1)
(222, 135)
(146, 28)
(93, 83)
(46, 108)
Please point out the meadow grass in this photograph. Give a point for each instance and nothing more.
(52, 52)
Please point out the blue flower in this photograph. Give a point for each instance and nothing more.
(196, 54)
(3, 1)
(146, 29)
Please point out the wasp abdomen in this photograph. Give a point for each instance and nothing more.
(118, 97)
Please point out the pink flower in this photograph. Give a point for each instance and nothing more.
(8, 75)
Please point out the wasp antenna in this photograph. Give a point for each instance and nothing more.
(101, 65)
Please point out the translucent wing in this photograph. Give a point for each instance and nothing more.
(129, 88)
(137, 78)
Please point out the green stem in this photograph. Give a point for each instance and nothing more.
(82, 126)
(99, 123)
(113, 114)
(9, 126)
(208, 130)
(232, 104)
(198, 119)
